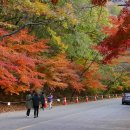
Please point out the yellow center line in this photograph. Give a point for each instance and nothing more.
(22, 128)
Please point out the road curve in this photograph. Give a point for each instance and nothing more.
(100, 115)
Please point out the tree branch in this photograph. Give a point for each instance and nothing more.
(22, 27)
(90, 64)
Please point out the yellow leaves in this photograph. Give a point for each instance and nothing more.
(65, 25)
(36, 7)
(40, 8)
(69, 6)
(74, 21)
(67, 11)
(57, 39)
(59, 42)
(7, 25)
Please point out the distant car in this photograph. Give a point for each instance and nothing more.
(126, 98)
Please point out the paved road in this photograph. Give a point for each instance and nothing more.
(100, 115)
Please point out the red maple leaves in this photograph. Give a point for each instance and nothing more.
(99, 2)
(119, 37)
(54, 2)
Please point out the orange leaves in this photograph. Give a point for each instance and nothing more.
(21, 37)
(22, 88)
(61, 73)
(55, 84)
(23, 42)
(92, 78)
(120, 88)
(78, 86)
(23, 67)
(24, 79)
(19, 59)
(109, 31)
(115, 23)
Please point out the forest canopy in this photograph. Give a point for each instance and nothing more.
(71, 46)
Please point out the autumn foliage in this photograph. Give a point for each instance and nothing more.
(19, 60)
(23, 66)
(99, 2)
(61, 73)
(54, 2)
(119, 37)
(28, 62)
(92, 78)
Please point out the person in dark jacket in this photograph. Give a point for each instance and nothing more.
(28, 103)
(36, 101)
(42, 98)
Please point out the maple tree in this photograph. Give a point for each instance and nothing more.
(113, 46)
(118, 40)
(19, 59)
(61, 73)
(69, 60)
(92, 79)
(22, 67)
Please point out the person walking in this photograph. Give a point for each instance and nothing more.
(28, 103)
(42, 99)
(50, 100)
(36, 100)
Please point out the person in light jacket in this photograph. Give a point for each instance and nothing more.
(28, 103)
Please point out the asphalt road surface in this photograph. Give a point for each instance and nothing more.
(100, 115)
